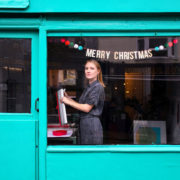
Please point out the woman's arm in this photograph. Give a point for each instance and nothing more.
(82, 107)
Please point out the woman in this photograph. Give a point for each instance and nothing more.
(90, 105)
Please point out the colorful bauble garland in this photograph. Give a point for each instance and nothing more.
(80, 47)
(169, 44)
(72, 44)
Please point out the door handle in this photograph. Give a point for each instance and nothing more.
(36, 105)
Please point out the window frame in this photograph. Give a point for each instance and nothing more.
(34, 73)
(54, 32)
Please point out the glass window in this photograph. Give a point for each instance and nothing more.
(15, 75)
(142, 93)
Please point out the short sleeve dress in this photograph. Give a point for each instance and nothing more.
(91, 131)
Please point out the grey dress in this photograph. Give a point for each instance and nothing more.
(91, 131)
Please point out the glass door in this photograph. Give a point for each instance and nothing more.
(18, 105)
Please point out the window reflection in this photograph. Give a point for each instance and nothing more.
(15, 75)
(142, 104)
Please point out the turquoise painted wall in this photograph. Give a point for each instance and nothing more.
(102, 6)
(80, 162)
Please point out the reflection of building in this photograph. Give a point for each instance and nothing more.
(63, 77)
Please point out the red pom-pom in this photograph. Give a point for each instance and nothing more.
(175, 41)
(170, 44)
(50, 40)
(63, 40)
(67, 43)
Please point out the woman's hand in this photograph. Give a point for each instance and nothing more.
(66, 95)
(65, 100)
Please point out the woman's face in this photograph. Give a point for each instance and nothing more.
(91, 71)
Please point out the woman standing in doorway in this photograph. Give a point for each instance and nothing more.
(90, 105)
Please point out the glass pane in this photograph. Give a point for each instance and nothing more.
(15, 75)
(142, 93)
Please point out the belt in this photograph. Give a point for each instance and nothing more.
(88, 116)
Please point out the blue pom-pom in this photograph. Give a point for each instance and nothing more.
(156, 48)
(80, 48)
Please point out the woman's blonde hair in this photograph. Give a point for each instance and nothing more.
(100, 78)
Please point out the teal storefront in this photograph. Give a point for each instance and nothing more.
(45, 43)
